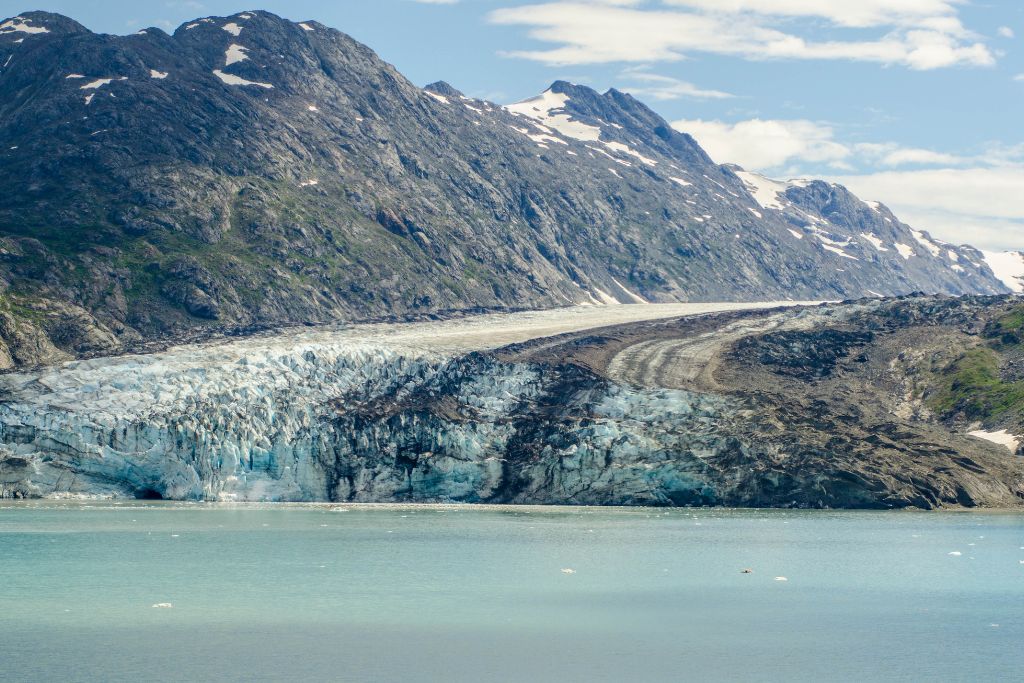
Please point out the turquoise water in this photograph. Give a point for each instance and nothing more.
(479, 594)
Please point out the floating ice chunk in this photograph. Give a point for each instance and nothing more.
(781, 578)
(163, 605)
(955, 553)
(568, 570)
(235, 53)
(231, 79)
(232, 28)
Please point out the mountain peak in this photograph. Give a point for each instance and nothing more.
(444, 89)
(38, 23)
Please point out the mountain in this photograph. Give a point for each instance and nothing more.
(1008, 267)
(913, 402)
(250, 171)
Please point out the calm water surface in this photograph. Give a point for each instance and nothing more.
(468, 594)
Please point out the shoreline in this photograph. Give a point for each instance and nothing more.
(526, 508)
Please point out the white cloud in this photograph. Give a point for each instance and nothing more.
(661, 87)
(920, 34)
(762, 145)
(436, 2)
(973, 199)
(1006, 32)
(1019, 78)
(855, 14)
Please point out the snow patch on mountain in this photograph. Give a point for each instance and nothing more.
(549, 109)
(923, 239)
(765, 191)
(232, 28)
(626, 149)
(100, 82)
(235, 53)
(874, 240)
(21, 25)
(1002, 438)
(231, 79)
(1008, 267)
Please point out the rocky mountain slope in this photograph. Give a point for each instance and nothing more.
(872, 404)
(247, 170)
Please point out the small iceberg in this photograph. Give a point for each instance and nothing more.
(956, 553)
(163, 605)
(568, 571)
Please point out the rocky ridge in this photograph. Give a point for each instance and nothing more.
(250, 171)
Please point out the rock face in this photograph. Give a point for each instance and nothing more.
(840, 406)
(249, 171)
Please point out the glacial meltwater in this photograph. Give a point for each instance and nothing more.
(174, 592)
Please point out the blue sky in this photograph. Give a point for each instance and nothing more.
(917, 103)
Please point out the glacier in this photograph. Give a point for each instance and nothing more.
(366, 413)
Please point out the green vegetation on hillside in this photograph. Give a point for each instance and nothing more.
(973, 387)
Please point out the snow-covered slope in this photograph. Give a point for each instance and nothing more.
(1008, 266)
